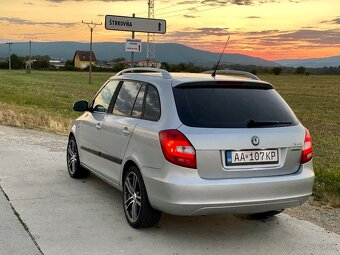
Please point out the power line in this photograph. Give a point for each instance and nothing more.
(193, 13)
(187, 9)
(167, 7)
(178, 10)
(92, 25)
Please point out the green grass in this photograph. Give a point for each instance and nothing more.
(316, 102)
(44, 100)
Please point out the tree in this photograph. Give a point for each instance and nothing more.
(40, 57)
(119, 67)
(17, 62)
(3, 65)
(41, 64)
(69, 63)
(300, 70)
(69, 66)
(165, 65)
(253, 71)
(118, 60)
(277, 70)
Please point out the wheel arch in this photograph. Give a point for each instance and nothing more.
(71, 134)
(127, 164)
(73, 130)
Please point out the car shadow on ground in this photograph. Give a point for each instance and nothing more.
(196, 225)
(205, 234)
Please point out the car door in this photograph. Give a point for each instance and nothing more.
(119, 125)
(89, 128)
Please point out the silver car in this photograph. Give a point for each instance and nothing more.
(192, 144)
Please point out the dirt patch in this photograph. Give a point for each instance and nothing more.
(321, 215)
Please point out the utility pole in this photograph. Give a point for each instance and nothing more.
(92, 26)
(29, 37)
(9, 55)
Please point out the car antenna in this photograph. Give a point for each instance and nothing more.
(214, 72)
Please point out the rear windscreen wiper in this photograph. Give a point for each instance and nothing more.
(258, 123)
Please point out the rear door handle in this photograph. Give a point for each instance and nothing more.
(98, 126)
(125, 131)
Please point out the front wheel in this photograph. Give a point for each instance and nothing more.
(138, 211)
(74, 168)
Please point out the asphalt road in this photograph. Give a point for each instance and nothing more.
(67, 216)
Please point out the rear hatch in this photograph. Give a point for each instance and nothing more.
(239, 129)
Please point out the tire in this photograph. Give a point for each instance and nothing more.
(264, 215)
(137, 209)
(74, 168)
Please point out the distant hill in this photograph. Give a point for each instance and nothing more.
(310, 62)
(167, 52)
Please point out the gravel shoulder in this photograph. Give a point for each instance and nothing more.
(321, 215)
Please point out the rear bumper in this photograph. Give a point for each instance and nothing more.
(181, 191)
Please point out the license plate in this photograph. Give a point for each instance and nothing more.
(252, 157)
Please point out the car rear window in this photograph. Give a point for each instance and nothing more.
(231, 107)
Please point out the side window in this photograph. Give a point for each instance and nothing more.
(126, 98)
(152, 110)
(138, 107)
(102, 100)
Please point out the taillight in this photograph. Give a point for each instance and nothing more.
(307, 150)
(177, 149)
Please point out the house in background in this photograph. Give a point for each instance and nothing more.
(81, 59)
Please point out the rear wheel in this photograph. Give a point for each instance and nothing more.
(74, 168)
(138, 211)
(264, 215)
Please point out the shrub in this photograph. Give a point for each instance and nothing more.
(277, 70)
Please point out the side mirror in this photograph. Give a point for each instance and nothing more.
(81, 106)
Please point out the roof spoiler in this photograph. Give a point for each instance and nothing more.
(165, 73)
(235, 72)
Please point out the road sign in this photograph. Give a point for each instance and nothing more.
(125, 23)
(133, 45)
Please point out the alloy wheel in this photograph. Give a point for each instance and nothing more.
(72, 156)
(132, 197)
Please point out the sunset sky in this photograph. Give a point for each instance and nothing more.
(270, 29)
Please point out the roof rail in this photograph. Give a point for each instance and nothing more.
(242, 73)
(165, 73)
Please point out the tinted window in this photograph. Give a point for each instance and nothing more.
(102, 100)
(126, 98)
(152, 110)
(223, 107)
(138, 107)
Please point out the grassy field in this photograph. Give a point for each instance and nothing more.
(44, 100)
